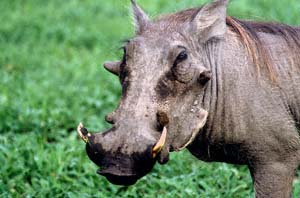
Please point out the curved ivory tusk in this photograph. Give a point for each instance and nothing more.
(160, 143)
(83, 133)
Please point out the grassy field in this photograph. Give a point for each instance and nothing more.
(51, 55)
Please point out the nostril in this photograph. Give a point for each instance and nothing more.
(110, 118)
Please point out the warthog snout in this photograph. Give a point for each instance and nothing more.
(124, 162)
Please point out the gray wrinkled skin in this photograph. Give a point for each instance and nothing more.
(217, 105)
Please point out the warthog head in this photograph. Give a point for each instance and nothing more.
(163, 76)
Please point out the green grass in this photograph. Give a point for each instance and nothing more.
(51, 54)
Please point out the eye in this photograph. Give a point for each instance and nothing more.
(182, 69)
(181, 57)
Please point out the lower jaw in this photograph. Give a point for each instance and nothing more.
(119, 180)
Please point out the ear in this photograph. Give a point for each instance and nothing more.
(210, 21)
(113, 67)
(141, 19)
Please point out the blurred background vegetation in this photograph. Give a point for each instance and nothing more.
(51, 77)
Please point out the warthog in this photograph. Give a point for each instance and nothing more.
(228, 90)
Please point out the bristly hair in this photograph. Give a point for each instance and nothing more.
(248, 32)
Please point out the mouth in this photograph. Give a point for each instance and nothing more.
(118, 172)
(122, 180)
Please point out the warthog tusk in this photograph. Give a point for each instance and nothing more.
(160, 143)
(83, 133)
